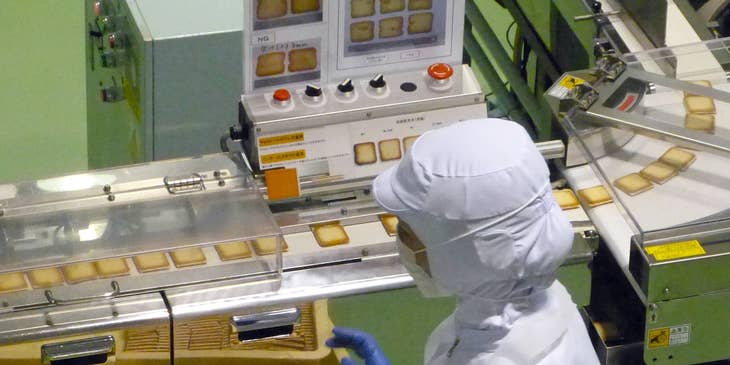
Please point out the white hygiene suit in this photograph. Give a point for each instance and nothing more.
(477, 196)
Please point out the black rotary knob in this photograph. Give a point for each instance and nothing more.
(346, 86)
(313, 91)
(378, 82)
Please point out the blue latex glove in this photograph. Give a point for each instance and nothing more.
(363, 343)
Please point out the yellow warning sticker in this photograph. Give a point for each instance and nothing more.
(571, 82)
(283, 156)
(658, 337)
(677, 250)
(281, 139)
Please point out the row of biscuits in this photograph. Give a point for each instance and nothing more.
(326, 234)
(700, 110)
(297, 60)
(362, 8)
(390, 149)
(392, 27)
(272, 9)
(658, 172)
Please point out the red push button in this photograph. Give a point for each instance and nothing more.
(282, 95)
(440, 71)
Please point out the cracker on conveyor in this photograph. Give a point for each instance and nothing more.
(566, 199)
(678, 158)
(185, 257)
(12, 282)
(330, 234)
(595, 196)
(633, 184)
(45, 278)
(704, 83)
(390, 223)
(659, 172)
(151, 262)
(233, 251)
(82, 271)
(112, 267)
(699, 105)
(700, 122)
(267, 245)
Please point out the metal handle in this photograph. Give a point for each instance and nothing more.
(179, 185)
(53, 300)
(95, 350)
(271, 324)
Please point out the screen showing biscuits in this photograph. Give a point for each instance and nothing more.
(288, 62)
(268, 14)
(374, 26)
(389, 149)
(365, 153)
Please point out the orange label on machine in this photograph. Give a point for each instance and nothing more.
(281, 139)
(282, 183)
(283, 156)
(658, 338)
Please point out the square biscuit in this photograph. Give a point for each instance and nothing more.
(408, 142)
(362, 31)
(420, 23)
(269, 9)
(267, 246)
(269, 64)
(45, 278)
(233, 251)
(700, 122)
(330, 234)
(704, 83)
(154, 261)
(389, 149)
(80, 272)
(303, 59)
(595, 196)
(678, 158)
(111, 267)
(188, 257)
(12, 282)
(633, 184)
(304, 6)
(391, 27)
(699, 105)
(390, 6)
(365, 153)
(659, 172)
(566, 199)
(361, 8)
(390, 223)
(419, 4)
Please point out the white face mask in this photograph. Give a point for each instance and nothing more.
(414, 262)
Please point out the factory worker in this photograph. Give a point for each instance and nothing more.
(478, 221)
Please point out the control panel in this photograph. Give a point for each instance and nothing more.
(356, 127)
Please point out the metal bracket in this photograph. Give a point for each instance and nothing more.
(181, 185)
(95, 350)
(116, 291)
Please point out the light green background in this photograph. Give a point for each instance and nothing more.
(42, 96)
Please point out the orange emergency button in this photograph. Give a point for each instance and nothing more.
(282, 95)
(440, 71)
(282, 183)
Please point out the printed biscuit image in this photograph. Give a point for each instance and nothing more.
(304, 6)
(391, 27)
(111, 267)
(700, 122)
(678, 158)
(269, 64)
(595, 196)
(361, 8)
(269, 9)
(390, 6)
(76, 273)
(267, 246)
(151, 262)
(699, 105)
(419, 4)
(389, 149)
(408, 142)
(420, 23)
(362, 31)
(566, 199)
(45, 278)
(633, 184)
(659, 172)
(390, 223)
(188, 257)
(365, 153)
(233, 251)
(12, 282)
(302, 59)
(330, 234)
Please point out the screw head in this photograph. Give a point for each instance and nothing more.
(111, 198)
